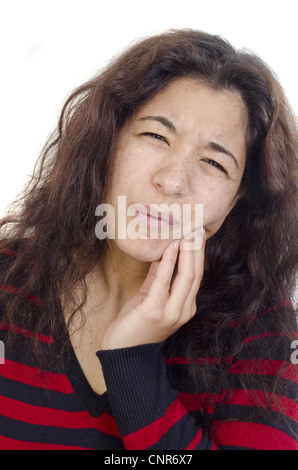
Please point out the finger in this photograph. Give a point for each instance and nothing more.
(190, 271)
(160, 276)
(190, 308)
(199, 258)
(184, 278)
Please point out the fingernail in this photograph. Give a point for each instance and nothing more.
(198, 237)
(190, 236)
(176, 244)
(202, 231)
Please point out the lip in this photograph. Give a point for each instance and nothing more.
(153, 216)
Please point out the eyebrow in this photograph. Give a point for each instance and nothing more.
(163, 120)
(211, 145)
(219, 148)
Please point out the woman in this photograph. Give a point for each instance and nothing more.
(152, 342)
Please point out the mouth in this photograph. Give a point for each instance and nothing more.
(152, 217)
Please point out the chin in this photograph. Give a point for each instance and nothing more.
(144, 251)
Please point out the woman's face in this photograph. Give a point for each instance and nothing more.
(185, 147)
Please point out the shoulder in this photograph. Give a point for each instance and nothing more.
(264, 365)
(10, 254)
(11, 272)
(7, 258)
(15, 288)
(271, 332)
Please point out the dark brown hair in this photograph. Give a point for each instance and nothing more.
(251, 261)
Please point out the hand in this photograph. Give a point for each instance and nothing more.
(163, 304)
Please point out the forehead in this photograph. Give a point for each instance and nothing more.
(188, 95)
(199, 111)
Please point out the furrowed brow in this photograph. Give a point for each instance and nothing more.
(219, 148)
(163, 120)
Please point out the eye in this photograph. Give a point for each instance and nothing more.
(155, 136)
(216, 164)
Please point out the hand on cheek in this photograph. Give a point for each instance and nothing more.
(165, 301)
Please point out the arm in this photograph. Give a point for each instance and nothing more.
(151, 414)
(148, 411)
(144, 404)
(259, 409)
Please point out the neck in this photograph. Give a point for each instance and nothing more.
(123, 275)
(116, 279)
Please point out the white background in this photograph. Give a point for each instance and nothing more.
(48, 47)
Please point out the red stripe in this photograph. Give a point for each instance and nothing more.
(32, 376)
(252, 436)
(268, 334)
(178, 360)
(286, 303)
(259, 398)
(152, 433)
(42, 416)
(13, 444)
(8, 252)
(214, 446)
(195, 441)
(199, 360)
(199, 401)
(266, 367)
(9, 289)
(14, 290)
(29, 334)
(235, 323)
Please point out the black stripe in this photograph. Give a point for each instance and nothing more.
(86, 438)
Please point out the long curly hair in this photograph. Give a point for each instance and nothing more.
(251, 262)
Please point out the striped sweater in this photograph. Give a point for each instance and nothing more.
(149, 403)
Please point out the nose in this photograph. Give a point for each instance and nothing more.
(172, 178)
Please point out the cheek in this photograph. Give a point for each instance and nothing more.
(216, 206)
(123, 176)
(214, 209)
(128, 172)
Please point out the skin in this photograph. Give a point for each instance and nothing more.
(136, 296)
(170, 166)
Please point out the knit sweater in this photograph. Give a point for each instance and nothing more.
(149, 403)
